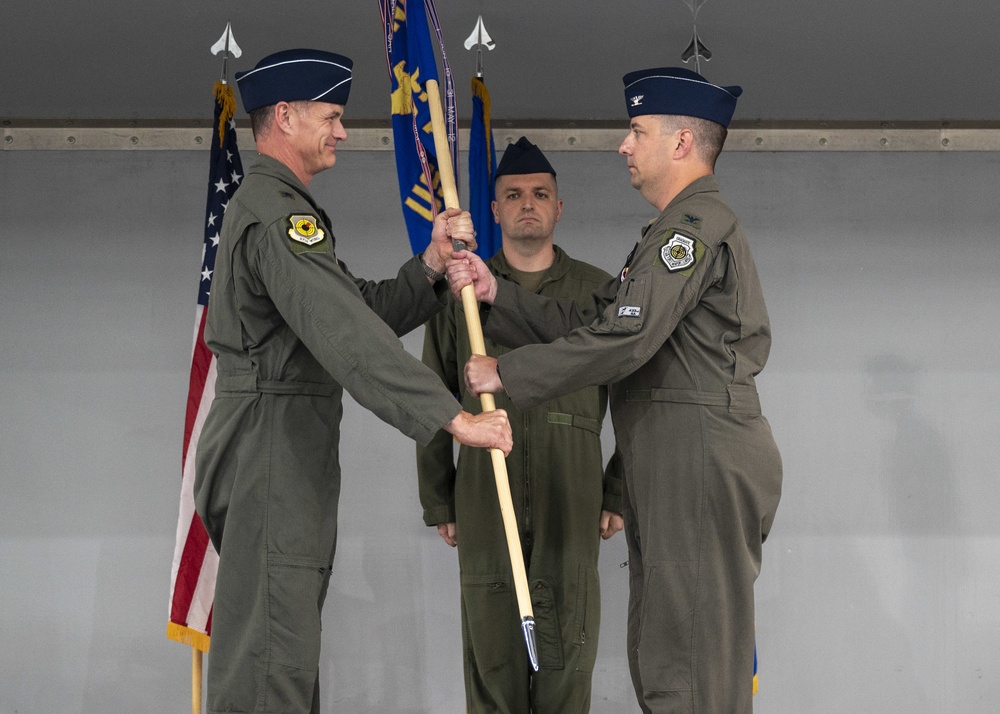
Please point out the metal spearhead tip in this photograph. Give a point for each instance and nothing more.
(227, 43)
(696, 49)
(479, 39)
(528, 627)
(227, 46)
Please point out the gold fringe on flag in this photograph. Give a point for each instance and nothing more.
(226, 99)
(186, 635)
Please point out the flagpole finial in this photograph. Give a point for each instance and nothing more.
(697, 48)
(479, 39)
(227, 45)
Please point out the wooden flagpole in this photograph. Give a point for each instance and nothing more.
(478, 345)
(196, 679)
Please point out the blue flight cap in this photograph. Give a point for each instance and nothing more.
(523, 157)
(296, 75)
(679, 91)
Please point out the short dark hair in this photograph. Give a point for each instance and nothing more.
(709, 136)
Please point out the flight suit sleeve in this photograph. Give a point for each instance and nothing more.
(628, 332)
(404, 302)
(613, 474)
(436, 461)
(324, 307)
(518, 317)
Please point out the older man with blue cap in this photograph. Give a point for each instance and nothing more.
(293, 329)
(679, 336)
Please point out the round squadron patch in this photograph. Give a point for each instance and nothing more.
(678, 253)
(305, 230)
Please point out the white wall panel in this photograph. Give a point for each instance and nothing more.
(879, 591)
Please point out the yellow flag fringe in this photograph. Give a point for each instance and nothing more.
(187, 636)
(226, 98)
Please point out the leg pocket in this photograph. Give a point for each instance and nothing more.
(295, 593)
(666, 629)
(491, 619)
(587, 617)
(548, 633)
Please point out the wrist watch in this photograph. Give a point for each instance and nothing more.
(429, 271)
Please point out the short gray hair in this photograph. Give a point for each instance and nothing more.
(262, 118)
(709, 136)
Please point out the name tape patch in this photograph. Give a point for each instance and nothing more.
(629, 311)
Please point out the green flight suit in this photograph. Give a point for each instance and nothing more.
(679, 336)
(558, 491)
(292, 329)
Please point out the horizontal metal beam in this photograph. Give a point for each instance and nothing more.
(550, 136)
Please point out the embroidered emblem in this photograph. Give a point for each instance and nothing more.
(305, 230)
(637, 99)
(628, 262)
(629, 311)
(692, 220)
(678, 253)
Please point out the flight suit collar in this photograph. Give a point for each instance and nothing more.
(268, 166)
(560, 266)
(704, 184)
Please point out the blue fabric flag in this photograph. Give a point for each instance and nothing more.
(482, 167)
(411, 62)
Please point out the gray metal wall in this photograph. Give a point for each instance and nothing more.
(880, 590)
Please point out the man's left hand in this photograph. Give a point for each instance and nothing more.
(481, 375)
(450, 224)
(611, 523)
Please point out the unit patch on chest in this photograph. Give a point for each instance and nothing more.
(679, 252)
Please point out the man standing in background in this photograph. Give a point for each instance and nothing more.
(562, 500)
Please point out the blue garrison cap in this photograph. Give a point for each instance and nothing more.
(296, 75)
(675, 90)
(523, 157)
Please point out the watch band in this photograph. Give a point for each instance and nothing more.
(429, 271)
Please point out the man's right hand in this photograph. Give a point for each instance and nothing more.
(447, 532)
(490, 430)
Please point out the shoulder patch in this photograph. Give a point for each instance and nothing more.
(680, 252)
(305, 229)
(306, 235)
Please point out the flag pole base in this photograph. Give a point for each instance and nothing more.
(528, 627)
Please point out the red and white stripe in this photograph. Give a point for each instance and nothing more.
(192, 577)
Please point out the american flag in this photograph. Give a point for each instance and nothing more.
(192, 577)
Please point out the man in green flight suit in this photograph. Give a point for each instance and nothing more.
(292, 329)
(562, 501)
(679, 337)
